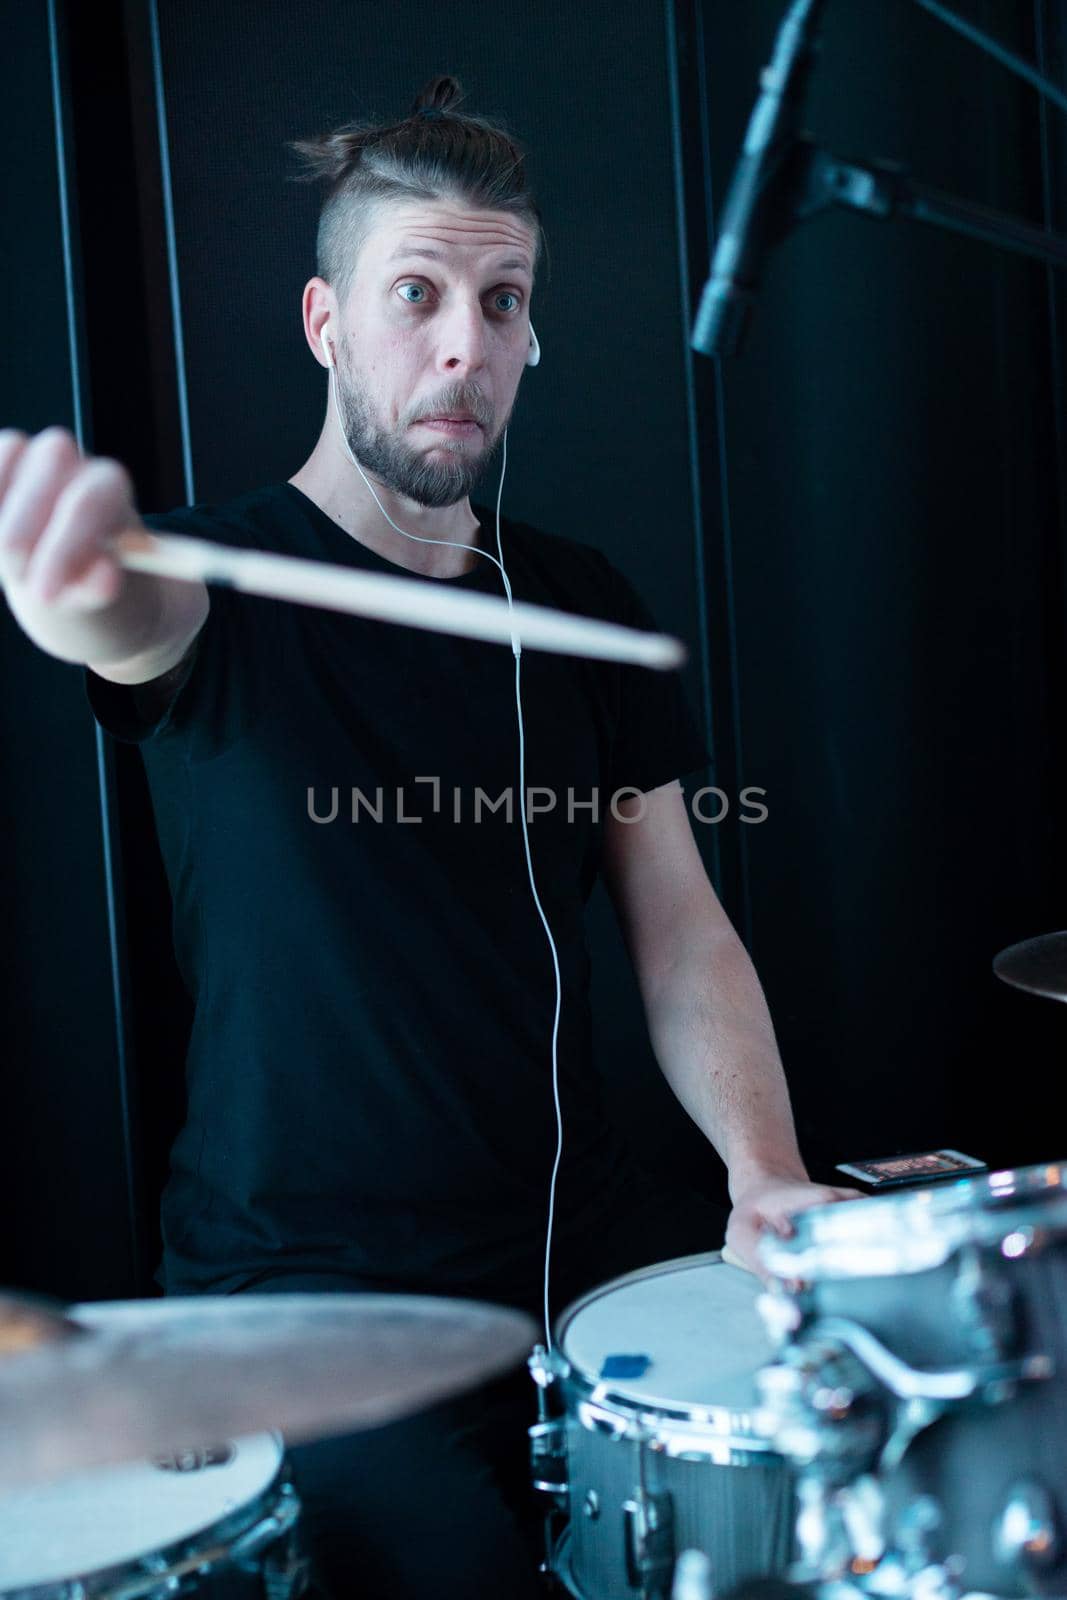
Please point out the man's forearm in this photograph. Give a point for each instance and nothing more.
(714, 1040)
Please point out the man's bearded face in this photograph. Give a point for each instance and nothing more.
(431, 344)
(398, 457)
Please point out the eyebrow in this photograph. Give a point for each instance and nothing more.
(404, 251)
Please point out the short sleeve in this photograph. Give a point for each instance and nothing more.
(656, 738)
(136, 712)
(220, 689)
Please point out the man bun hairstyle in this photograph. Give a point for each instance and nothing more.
(436, 152)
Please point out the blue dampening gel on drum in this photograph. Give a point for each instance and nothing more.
(625, 1366)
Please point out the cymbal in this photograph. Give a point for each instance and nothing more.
(128, 1380)
(1037, 965)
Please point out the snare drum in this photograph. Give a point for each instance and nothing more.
(151, 1529)
(656, 1451)
(935, 1320)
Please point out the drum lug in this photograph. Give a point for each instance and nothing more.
(984, 1301)
(548, 1438)
(545, 1367)
(1026, 1536)
(548, 1459)
(648, 1529)
(781, 1314)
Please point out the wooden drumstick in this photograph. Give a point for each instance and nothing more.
(404, 600)
(733, 1260)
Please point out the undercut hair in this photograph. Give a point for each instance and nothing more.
(436, 152)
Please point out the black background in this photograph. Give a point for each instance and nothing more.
(858, 525)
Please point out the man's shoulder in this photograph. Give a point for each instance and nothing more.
(247, 518)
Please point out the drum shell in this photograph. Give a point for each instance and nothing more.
(971, 1462)
(741, 1514)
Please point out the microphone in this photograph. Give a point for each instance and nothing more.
(757, 210)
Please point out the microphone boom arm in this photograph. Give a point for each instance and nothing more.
(883, 189)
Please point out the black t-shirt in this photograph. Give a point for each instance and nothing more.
(369, 1071)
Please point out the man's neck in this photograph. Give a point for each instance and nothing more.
(339, 491)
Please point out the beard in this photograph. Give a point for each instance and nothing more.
(457, 464)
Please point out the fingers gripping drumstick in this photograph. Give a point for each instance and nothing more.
(404, 600)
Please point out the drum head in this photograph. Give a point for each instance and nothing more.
(696, 1322)
(111, 1519)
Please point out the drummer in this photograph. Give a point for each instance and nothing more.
(370, 1073)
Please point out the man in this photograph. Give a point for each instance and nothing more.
(373, 1058)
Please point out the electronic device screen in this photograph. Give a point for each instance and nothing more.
(925, 1167)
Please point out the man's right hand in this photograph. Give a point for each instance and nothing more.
(58, 512)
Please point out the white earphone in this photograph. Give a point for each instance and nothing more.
(533, 355)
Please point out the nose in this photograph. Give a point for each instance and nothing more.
(462, 344)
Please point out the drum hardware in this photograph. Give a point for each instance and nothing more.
(1026, 1534)
(548, 1441)
(212, 1455)
(821, 1411)
(694, 1577)
(548, 1454)
(648, 1530)
(908, 1383)
(839, 1528)
(548, 1459)
(916, 1536)
(985, 1304)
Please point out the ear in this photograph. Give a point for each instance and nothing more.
(320, 313)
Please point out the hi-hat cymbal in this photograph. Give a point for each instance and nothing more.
(1037, 965)
(159, 1376)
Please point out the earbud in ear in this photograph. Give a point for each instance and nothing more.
(533, 355)
(327, 352)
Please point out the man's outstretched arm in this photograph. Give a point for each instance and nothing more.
(707, 1015)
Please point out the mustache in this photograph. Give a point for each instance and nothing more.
(456, 397)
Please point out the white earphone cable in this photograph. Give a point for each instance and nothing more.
(517, 652)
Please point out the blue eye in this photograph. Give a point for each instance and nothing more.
(419, 291)
(506, 294)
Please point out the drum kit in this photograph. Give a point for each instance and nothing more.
(884, 1419)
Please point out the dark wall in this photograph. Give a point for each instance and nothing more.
(858, 524)
(64, 1158)
(896, 535)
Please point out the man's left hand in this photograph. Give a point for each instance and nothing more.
(768, 1203)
